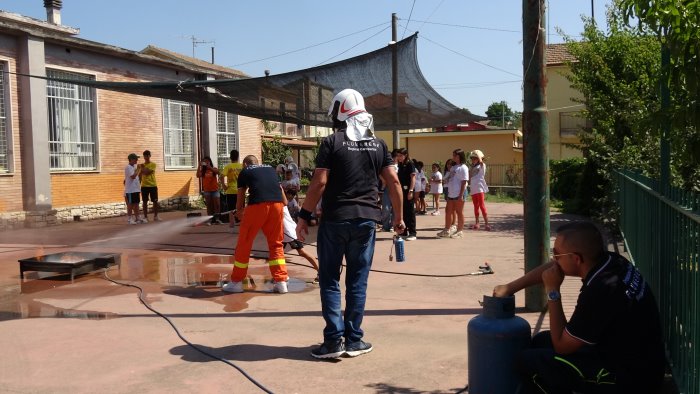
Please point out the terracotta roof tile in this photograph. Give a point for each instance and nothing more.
(556, 54)
(164, 53)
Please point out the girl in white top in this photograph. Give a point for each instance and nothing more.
(478, 188)
(419, 194)
(436, 188)
(459, 175)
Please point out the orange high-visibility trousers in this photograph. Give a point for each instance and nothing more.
(268, 217)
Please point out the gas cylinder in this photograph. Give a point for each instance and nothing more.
(494, 339)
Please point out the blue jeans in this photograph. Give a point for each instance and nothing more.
(387, 212)
(354, 240)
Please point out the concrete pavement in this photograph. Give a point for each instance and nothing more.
(95, 336)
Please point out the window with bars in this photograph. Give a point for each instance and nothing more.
(4, 131)
(226, 136)
(72, 126)
(572, 123)
(178, 134)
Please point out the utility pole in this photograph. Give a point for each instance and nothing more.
(395, 79)
(536, 147)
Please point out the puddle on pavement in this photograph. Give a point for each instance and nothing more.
(197, 277)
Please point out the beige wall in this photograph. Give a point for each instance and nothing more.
(559, 100)
(497, 145)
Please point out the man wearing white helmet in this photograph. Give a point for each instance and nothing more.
(349, 165)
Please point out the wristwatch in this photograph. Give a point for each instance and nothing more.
(553, 295)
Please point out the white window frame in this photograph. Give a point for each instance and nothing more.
(72, 123)
(6, 158)
(227, 136)
(179, 136)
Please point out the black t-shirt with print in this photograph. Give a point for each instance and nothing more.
(405, 170)
(354, 167)
(616, 312)
(262, 183)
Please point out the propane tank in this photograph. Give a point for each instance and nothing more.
(495, 338)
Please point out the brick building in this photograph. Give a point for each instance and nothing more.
(63, 147)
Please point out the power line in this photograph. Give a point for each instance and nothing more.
(310, 46)
(409, 19)
(361, 42)
(470, 27)
(431, 15)
(468, 85)
(470, 58)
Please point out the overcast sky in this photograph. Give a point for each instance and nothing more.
(469, 50)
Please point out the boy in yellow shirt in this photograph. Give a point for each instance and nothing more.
(229, 178)
(149, 187)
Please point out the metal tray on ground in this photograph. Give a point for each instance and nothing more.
(73, 263)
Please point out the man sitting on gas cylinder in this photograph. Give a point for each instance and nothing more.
(613, 342)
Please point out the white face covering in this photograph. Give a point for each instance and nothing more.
(360, 127)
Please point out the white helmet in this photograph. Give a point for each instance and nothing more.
(350, 103)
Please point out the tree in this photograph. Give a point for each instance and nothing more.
(500, 114)
(676, 25)
(274, 151)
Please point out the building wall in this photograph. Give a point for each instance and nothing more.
(11, 183)
(559, 99)
(125, 123)
(251, 137)
(429, 148)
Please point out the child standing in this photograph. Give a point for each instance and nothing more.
(436, 188)
(290, 240)
(478, 187)
(421, 183)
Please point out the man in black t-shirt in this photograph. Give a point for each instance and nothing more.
(613, 341)
(348, 167)
(264, 212)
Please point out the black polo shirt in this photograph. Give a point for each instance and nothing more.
(405, 170)
(354, 167)
(617, 314)
(262, 183)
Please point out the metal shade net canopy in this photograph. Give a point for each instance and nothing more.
(303, 96)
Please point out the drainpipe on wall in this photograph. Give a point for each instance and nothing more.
(53, 11)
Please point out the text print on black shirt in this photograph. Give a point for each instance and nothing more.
(361, 145)
(634, 283)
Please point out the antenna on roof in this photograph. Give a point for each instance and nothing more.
(196, 41)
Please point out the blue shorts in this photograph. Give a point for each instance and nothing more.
(211, 194)
(133, 198)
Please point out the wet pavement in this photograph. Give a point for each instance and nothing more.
(94, 335)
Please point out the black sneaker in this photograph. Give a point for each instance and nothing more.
(357, 348)
(329, 350)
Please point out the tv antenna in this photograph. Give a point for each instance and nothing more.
(196, 41)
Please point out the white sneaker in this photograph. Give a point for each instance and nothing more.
(411, 238)
(133, 221)
(157, 219)
(444, 234)
(458, 234)
(453, 229)
(279, 287)
(143, 220)
(435, 213)
(233, 287)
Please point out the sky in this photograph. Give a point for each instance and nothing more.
(470, 51)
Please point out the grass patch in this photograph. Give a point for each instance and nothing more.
(513, 196)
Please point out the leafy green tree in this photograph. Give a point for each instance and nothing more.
(617, 77)
(676, 25)
(274, 151)
(500, 114)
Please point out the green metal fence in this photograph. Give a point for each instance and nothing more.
(504, 175)
(662, 234)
